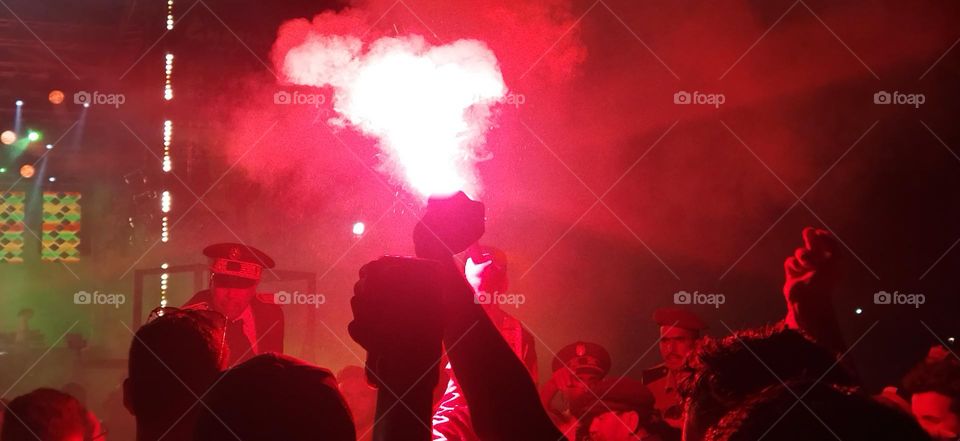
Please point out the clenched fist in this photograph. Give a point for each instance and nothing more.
(811, 275)
(448, 227)
(397, 318)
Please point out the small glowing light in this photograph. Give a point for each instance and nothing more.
(19, 103)
(3, 169)
(168, 71)
(55, 96)
(8, 137)
(359, 228)
(951, 340)
(33, 136)
(52, 179)
(49, 146)
(27, 171)
(858, 311)
(85, 105)
(164, 233)
(164, 266)
(165, 201)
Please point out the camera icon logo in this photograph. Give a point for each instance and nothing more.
(81, 97)
(82, 298)
(882, 97)
(282, 298)
(882, 298)
(282, 97)
(482, 298)
(682, 298)
(681, 97)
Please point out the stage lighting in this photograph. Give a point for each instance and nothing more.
(951, 340)
(27, 171)
(33, 136)
(85, 105)
(49, 146)
(55, 96)
(858, 311)
(19, 103)
(52, 179)
(8, 137)
(3, 169)
(359, 228)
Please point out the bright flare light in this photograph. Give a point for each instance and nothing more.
(429, 106)
(359, 228)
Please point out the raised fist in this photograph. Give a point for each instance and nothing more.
(397, 318)
(449, 226)
(811, 271)
(811, 276)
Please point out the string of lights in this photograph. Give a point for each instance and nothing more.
(166, 199)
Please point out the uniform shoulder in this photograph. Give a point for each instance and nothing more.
(653, 374)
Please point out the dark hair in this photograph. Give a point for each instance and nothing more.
(724, 372)
(825, 412)
(46, 414)
(941, 376)
(275, 397)
(173, 360)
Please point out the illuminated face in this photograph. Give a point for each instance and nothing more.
(231, 296)
(932, 411)
(675, 344)
(613, 426)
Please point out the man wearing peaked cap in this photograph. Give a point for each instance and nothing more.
(253, 326)
(577, 368)
(679, 334)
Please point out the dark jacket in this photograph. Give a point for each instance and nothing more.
(268, 321)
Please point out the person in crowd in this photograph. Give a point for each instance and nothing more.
(727, 371)
(680, 331)
(812, 410)
(276, 397)
(577, 368)
(173, 361)
(486, 271)
(48, 415)
(804, 346)
(406, 310)
(254, 326)
(934, 385)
